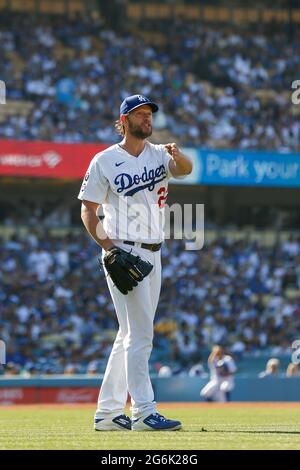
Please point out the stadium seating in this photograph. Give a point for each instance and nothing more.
(15, 108)
(215, 89)
(60, 7)
(252, 14)
(231, 292)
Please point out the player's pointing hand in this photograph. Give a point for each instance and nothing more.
(173, 150)
(179, 164)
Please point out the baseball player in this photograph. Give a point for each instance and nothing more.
(123, 179)
(222, 369)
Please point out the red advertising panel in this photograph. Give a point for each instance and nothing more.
(68, 395)
(31, 395)
(18, 395)
(46, 159)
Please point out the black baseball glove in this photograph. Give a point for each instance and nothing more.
(125, 268)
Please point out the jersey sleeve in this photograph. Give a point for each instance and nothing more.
(95, 185)
(231, 365)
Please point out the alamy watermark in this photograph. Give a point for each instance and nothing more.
(135, 222)
(2, 92)
(296, 93)
(295, 358)
(2, 352)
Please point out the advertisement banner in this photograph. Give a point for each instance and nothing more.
(46, 159)
(210, 167)
(68, 395)
(18, 395)
(248, 168)
(31, 395)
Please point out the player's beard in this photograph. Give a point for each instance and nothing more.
(138, 132)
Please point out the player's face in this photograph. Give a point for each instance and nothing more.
(140, 122)
(219, 352)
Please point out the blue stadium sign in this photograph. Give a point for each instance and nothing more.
(243, 168)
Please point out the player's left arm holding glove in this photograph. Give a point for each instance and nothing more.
(93, 225)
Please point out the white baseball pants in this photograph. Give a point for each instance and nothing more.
(127, 369)
(216, 389)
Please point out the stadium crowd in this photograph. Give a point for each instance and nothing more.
(56, 315)
(216, 87)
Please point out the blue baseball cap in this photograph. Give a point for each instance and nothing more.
(135, 101)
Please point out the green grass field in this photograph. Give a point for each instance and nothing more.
(233, 426)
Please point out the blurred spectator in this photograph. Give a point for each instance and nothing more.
(197, 370)
(272, 369)
(165, 371)
(29, 371)
(11, 369)
(292, 370)
(92, 368)
(70, 369)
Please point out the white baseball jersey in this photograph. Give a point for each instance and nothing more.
(228, 363)
(132, 191)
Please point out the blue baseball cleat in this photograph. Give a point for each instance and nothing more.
(119, 423)
(155, 422)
